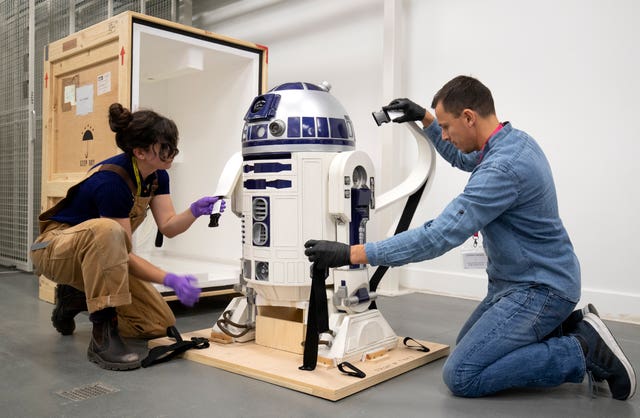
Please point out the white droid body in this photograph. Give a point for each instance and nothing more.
(291, 137)
(302, 179)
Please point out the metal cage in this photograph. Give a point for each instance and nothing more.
(26, 28)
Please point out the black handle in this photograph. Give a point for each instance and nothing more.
(213, 220)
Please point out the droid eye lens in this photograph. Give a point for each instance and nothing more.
(276, 127)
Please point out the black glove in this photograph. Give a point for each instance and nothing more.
(411, 110)
(328, 253)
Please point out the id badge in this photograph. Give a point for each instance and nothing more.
(474, 257)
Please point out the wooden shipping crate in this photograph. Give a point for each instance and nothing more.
(202, 80)
(87, 71)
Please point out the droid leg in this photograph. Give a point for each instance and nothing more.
(237, 322)
(357, 332)
(358, 337)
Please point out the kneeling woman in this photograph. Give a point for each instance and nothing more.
(85, 241)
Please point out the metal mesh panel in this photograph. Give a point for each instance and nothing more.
(14, 94)
(158, 8)
(52, 22)
(58, 20)
(43, 36)
(120, 6)
(90, 12)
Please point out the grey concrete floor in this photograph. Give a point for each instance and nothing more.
(36, 363)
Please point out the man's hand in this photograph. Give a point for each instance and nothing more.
(184, 286)
(328, 253)
(411, 110)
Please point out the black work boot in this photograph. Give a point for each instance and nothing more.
(106, 347)
(569, 324)
(69, 303)
(604, 357)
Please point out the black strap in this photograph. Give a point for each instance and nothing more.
(165, 353)
(419, 346)
(159, 239)
(317, 317)
(403, 224)
(356, 372)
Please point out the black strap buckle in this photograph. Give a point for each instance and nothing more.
(356, 372)
(163, 353)
(418, 347)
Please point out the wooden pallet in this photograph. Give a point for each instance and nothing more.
(281, 367)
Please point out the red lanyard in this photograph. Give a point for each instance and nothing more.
(495, 131)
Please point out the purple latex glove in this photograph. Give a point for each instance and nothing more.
(184, 286)
(204, 205)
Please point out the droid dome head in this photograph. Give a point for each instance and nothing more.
(297, 117)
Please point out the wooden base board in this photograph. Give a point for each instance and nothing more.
(281, 367)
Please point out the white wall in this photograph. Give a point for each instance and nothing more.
(565, 72)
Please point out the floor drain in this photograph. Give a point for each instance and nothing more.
(87, 392)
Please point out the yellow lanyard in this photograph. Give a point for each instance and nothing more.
(137, 174)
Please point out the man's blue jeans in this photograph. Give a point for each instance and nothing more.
(506, 344)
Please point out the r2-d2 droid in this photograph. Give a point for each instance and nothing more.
(301, 179)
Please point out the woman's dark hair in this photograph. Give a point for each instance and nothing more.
(142, 129)
(465, 92)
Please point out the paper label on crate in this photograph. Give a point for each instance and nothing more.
(84, 100)
(104, 83)
(70, 94)
(474, 258)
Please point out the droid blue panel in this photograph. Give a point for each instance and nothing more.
(261, 184)
(289, 86)
(266, 167)
(263, 107)
(258, 131)
(293, 127)
(260, 213)
(338, 128)
(323, 127)
(308, 127)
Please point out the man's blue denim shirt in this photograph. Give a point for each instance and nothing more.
(511, 199)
